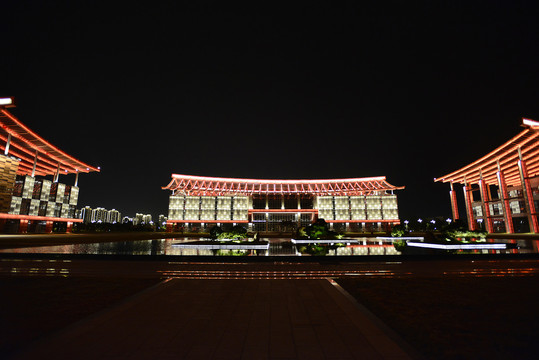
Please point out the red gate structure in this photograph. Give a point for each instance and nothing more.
(506, 181)
(27, 197)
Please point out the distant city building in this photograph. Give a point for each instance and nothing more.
(162, 219)
(142, 219)
(99, 215)
(137, 219)
(147, 219)
(86, 214)
(114, 216)
(358, 204)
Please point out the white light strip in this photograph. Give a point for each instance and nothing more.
(530, 122)
(222, 246)
(324, 241)
(6, 101)
(458, 247)
(389, 238)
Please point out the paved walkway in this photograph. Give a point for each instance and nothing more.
(227, 319)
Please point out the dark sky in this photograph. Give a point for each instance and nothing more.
(407, 90)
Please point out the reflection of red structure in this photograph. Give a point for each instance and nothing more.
(268, 204)
(25, 156)
(513, 168)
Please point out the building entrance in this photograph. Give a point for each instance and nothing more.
(280, 221)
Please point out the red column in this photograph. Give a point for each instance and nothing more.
(508, 218)
(48, 227)
(23, 226)
(528, 196)
(454, 207)
(469, 212)
(485, 202)
(69, 227)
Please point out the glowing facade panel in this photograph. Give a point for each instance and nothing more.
(35, 197)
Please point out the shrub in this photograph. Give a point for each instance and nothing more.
(215, 232)
(398, 231)
(400, 245)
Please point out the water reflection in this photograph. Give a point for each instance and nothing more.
(277, 247)
(137, 247)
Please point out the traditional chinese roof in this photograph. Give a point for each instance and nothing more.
(25, 143)
(506, 157)
(215, 186)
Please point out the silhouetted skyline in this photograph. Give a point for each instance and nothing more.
(407, 91)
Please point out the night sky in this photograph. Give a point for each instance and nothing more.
(406, 90)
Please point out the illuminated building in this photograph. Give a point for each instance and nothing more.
(114, 216)
(162, 219)
(89, 215)
(358, 204)
(99, 215)
(27, 199)
(141, 219)
(501, 189)
(86, 214)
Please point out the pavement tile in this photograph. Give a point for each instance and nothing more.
(255, 354)
(306, 343)
(225, 319)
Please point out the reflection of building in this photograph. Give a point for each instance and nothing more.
(29, 201)
(501, 189)
(360, 204)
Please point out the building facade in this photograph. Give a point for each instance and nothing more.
(32, 197)
(357, 204)
(501, 189)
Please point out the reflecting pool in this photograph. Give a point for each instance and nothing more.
(269, 247)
